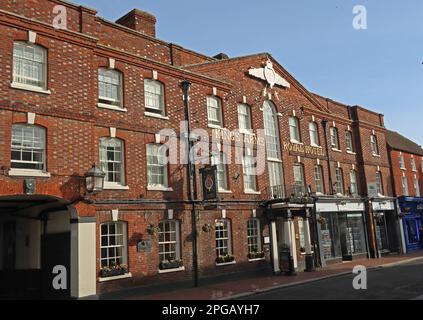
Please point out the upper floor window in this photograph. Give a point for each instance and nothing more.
(112, 160)
(413, 164)
(169, 241)
(28, 147)
(294, 129)
(334, 138)
(339, 182)
(154, 96)
(402, 162)
(29, 65)
(314, 134)
(219, 160)
(214, 111)
(318, 178)
(299, 187)
(374, 145)
(416, 186)
(404, 182)
(254, 237)
(271, 129)
(353, 183)
(113, 244)
(349, 141)
(249, 169)
(223, 238)
(156, 166)
(110, 87)
(244, 118)
(379, 183)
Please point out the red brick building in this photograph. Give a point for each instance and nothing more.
(406, 159)
(97, 92)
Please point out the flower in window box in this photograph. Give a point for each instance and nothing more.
(153, 230)
(321, 220)
(113, 270)
(256, 255)
(172, 264)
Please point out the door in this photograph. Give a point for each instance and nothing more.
(55, 253)
(9, 245)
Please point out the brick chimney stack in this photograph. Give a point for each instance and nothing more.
(140, 21)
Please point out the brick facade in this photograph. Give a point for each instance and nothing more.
(75, 124)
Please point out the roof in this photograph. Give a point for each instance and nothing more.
(398, 142)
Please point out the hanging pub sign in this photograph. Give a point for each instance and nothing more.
(209, 180)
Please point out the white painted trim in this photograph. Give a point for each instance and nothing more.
(112, 132)
(155, 75)
(30, 118)
(225, 264)
(114, 186)
(26, 87)
(224, 191)
(170, 214)
(125, 276)
(258, 259)
(376, 155)
(351, 152)
(252, 192)
(28, 173)
(274, 247)
(244, 99)
(214, 91)
(32, 36)
(154, 115)
(112, 63)
(164, 189)
(110, 107)
(214, 126)
(171, 270)
(336, 150)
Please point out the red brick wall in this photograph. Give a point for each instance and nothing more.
(408, 172)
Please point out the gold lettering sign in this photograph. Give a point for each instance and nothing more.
(234, 136)
(300, 148)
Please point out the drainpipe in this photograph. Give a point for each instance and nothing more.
(325, 125)
(191, 172)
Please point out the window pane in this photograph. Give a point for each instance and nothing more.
(154, 96)
(28, 147)
(111, 159)
(156, 171)
(29, 64)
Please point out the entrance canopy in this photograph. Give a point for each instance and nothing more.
(31, 205)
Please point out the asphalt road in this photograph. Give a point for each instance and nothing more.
(404, 282)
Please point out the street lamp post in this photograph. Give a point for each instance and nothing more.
(191, 172)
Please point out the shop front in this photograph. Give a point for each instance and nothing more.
(411, 210)
(386, 227)
(341, 228)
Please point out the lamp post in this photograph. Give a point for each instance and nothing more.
(325, 125)
(94, 180)
(191, 172)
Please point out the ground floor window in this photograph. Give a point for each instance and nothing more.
(329, 231)
(412, 231)
(381, 230)
(223, 241)
(114, 251)
(254, 239)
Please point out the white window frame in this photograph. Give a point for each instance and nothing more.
(374, 145)
(254, 236)
(353, 183)
(404, 182)
(379, 183)
(294, 129)
(22, 62)
(106, 81)
(319, 180)
(214, 112)
(124, 245)
(154, 97)
(116, 144)
(402, 162)
(334, 138)
(413, 165)
(339, 181)
(416, 186)
(313, 129)
(299, 183)
(174, 229)
(349, 141)
(223, 233)
(156, 164)
(271, 127)
(244, 118)
(37, 144)
(219, 160)
(249, 173)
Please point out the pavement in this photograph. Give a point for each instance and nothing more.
(256, 285)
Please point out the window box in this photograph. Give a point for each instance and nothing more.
(167, 265)
(225, 259)
(113, 271)
(256, 255)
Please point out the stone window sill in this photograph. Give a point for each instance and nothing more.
(164, 189)
(28, 173)
(225, 264)
(172, 270)
(258, 259)
(336, 150)
(253, 192)
(125, 276)
(26, 87)
(114, 186)
(111, 107)
(155, 115)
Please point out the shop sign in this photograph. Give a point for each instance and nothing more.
(238, 137)
(209, 179)
(300, 148)
(144, 246)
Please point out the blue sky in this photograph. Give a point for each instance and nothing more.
(379, 68)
